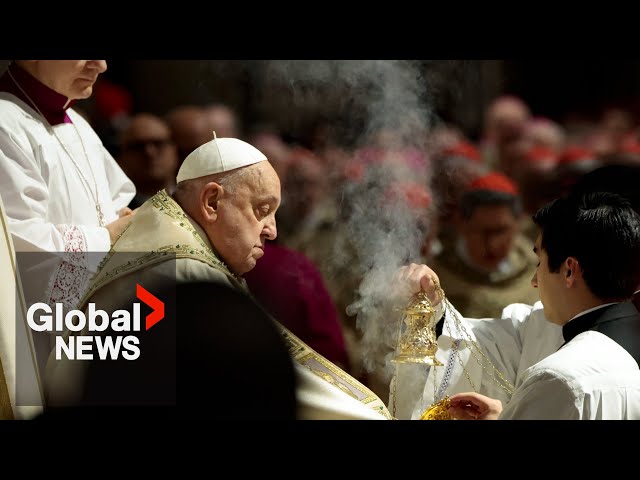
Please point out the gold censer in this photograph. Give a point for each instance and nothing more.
(417, 341)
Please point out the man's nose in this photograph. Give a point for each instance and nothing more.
(492, 241)
(270, 229)
(101, 65)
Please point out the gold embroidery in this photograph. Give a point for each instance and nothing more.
(160, 202)
(319, 365)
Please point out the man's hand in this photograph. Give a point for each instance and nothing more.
(126, 211)
(473, 406)
(118, 226)
(414, 278)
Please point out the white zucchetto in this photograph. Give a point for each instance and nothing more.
(217, 156)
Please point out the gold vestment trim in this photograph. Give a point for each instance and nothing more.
(329, 372)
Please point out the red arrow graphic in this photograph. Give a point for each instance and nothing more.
(154, 302)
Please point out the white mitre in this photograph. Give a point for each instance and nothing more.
(217, 156)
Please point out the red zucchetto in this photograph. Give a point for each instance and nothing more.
(464, 150)
(494, 182)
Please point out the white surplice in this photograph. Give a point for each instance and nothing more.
(48, 206)
(50, 212)
(590, 378)
(512, 343)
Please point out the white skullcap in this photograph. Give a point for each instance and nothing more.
(217, 156)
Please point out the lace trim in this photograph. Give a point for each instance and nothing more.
(72, 276)
(447, 371)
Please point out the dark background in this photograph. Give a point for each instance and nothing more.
(562, 89)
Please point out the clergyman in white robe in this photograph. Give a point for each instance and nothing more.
(47, 206)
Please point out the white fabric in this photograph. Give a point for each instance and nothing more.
(16, 348)
(590, 378)
(512, 343)
(217, 156)
(47, 206)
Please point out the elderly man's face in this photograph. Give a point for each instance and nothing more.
(247, 218)
(72, 78)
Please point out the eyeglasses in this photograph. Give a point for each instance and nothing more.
(141, 145)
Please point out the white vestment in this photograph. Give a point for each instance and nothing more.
(589, 378)
(50, 209)
(512, 343)
(160, 226)
(48, 206)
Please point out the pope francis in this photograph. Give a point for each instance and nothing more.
(215, 227)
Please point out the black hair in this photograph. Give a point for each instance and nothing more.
(621, 179)
(602, 231)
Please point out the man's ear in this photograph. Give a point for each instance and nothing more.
(210, 196)
(571, 270)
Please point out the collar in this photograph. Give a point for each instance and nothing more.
(590, 318)
(593, 309)
(205, 238)
(52, 104)
(196, 226)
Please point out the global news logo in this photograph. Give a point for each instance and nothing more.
(126, 343)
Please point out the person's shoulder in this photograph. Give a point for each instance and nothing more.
(13, 116)
(603, 351)
(534, 321)
(10, 102)
(588, 357)
(521, 310)
(197, 270)
(560, 367)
